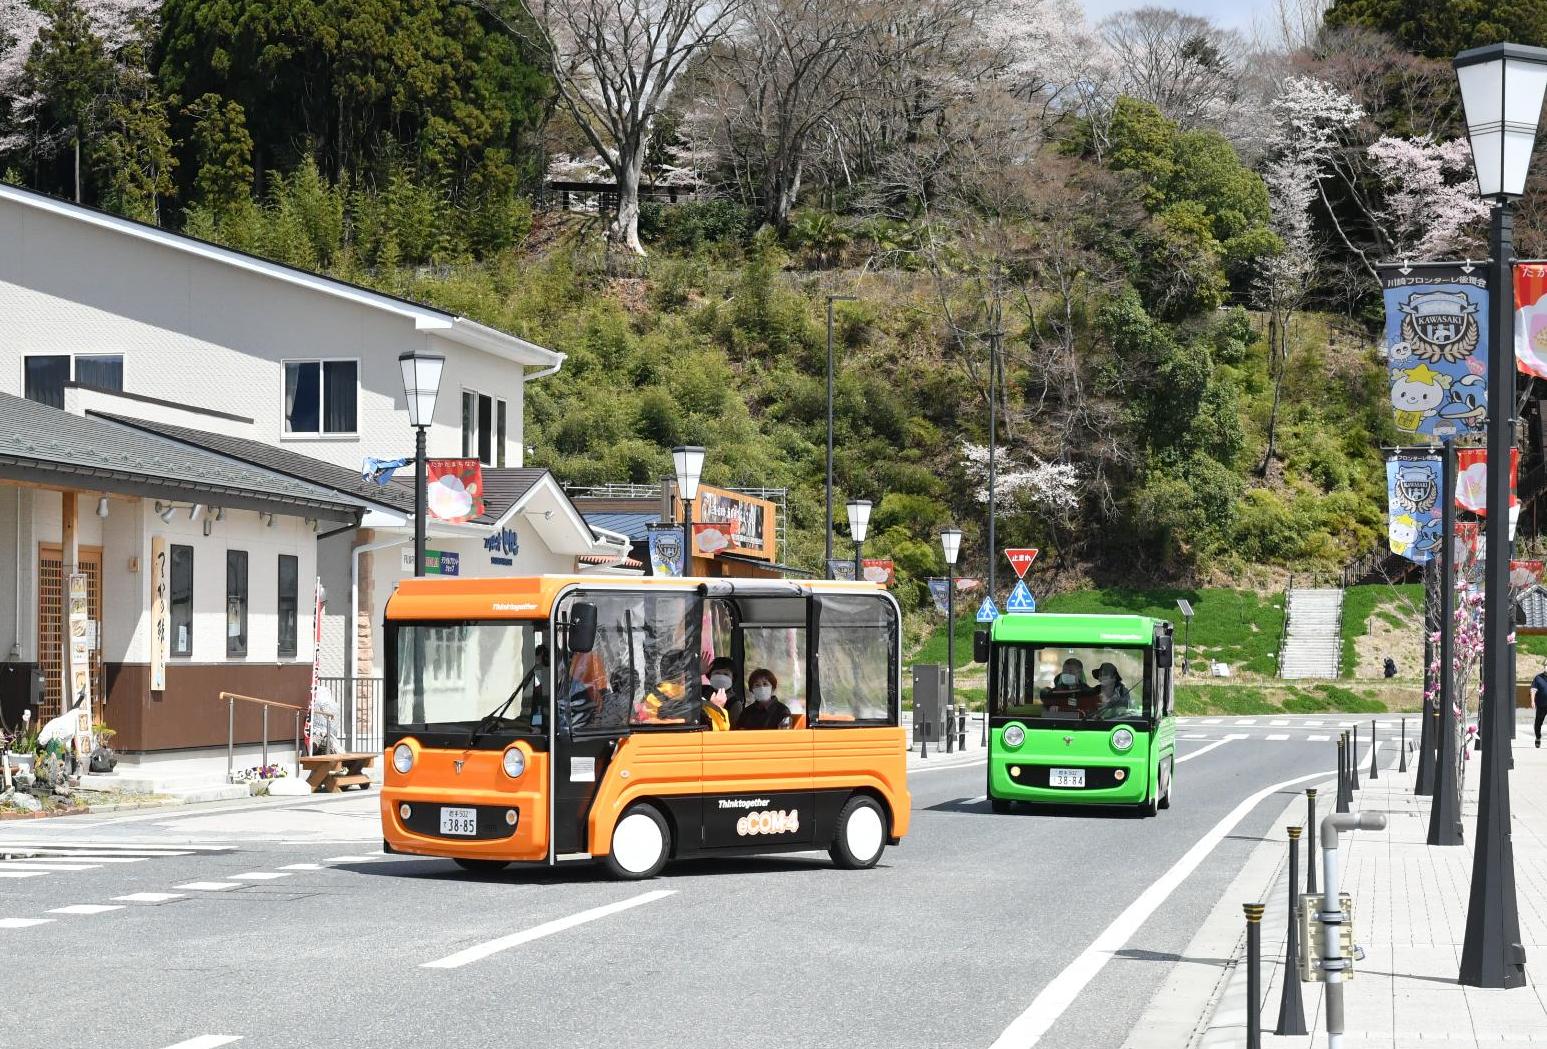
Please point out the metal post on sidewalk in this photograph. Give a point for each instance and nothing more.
(1291, 1009)
(1331, 917)
(1253, 974)
(985, 725)
(950, 737)
(298, 744)
(1402, 765)
(230, 737)
(265, 737)
(1374, 772)
(1353, 763)
(961, 728)
(1310, 846)
(1343, 799)
(924, 742)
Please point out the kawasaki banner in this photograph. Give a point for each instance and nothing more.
(1437, 347)
(1413, 494)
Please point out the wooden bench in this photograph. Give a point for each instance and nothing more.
(331, 773)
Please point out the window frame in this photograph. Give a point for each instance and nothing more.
(1148, 719)
(287, 434)
(814, 663)
(70, 377)
(291, 650)
(173, 602)
(471, 422)
(240, 646)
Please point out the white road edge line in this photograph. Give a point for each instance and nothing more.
(1028, 1028)
(948, 768)
(207, 1041)
(1208, 747)
(483, 950)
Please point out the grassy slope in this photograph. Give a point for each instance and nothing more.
(1399, 605)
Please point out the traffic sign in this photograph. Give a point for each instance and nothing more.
(1021, 558)
(988, 611)
(1020, 599)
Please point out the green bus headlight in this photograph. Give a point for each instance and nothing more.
(1122, 739)
(1014, 736)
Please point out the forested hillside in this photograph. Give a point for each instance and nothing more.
(1161, 234)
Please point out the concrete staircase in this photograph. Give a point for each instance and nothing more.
(1313, 644)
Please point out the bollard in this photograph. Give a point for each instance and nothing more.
(1253, 974)
(924, 742)
(1374, 772)
(1291, 1010)
(950, 716)
(230, 737)
(297, 744)
(1310, 848)
(985, 728)
(961, 729)
(1333, 964)
(1402, 765)
(1342, 802)
(1353, 765)
(265, 737)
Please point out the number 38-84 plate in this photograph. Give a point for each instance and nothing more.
(459, 821)
(1055, 778)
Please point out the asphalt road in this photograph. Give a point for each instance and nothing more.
(947, 943)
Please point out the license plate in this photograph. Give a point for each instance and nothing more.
(459, 821)
(1055, 778)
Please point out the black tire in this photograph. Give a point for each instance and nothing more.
(1165, 799)
(1001, 806)
(482, 866)
(859, 837)
(641, 844)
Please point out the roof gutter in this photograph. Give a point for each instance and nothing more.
(543, 373)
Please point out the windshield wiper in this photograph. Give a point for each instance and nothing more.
(491, 718)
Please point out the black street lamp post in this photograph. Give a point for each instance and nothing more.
(859, 527)
(830, 300)
(688, 460)
(1445, 805)
(1502, 87)
(951, 544)
(421, 385)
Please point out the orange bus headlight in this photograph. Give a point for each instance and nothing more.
(403, 758)
(514, 762)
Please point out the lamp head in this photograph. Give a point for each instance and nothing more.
(1502, 86)
(421, 384)
(688, 460)
(859, 519)
(951, 543)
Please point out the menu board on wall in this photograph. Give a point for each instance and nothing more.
(160, 575)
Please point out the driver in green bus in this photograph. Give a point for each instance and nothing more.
(1116, 700)
(1071, 679)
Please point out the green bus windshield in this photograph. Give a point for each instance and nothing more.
(1060, 684)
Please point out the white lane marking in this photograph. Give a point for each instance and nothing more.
(1277, 722)
(483, 950)
(22, 874)
(1028, 1028)
(1316, 724)
(302, 867)
(1278, 737)
(352, 859)
(150, 897)
(22, 923)
(209, 886)
(1317, 739)
(1213, 721)
(207, 1041)
(86, 908)
(1192, 735)
(976, 800)
(258, 876)
(74, 857)
(28, 865)
(947, 768)
(1244, 721)
(1208, 747)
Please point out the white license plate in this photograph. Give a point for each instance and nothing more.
(459, 821)
(1055, 778)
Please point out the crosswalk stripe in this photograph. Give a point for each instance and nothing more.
(87, 908)
(22, 874)
(1278, 736)
(1317, 739)
(21, 865)
(149, 897)
(209, 886)
(23, 923)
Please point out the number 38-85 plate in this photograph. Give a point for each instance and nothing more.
(1055, 778)
(459, 821)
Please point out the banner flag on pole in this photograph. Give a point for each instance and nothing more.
(1437, 347)
(1413, 494)
(1531, 318)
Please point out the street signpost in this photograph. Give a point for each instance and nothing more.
(1021, 558)
(1020, 601)
(988, 611)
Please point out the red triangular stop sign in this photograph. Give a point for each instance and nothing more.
(1021, 558)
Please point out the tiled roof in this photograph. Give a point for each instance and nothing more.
(52, 441)
(634, 525)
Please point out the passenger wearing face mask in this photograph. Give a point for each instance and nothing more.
(1063, 697)
(1116, 700)
(721, 678)
(765, 710)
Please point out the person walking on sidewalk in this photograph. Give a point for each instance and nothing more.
(1539, 694)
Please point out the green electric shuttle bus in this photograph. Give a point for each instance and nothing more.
(1080, 710)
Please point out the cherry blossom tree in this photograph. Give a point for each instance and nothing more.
(1045, 485)
(1431, 206)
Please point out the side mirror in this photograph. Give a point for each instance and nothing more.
(1163, 652)
(980, 646)
(582, 627)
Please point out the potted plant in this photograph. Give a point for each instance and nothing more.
(102, 759)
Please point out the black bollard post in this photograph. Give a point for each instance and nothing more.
(924, 742)
(1402, 765)
(1291, 1008)
(1253, 974)
(961, 729)
(950, 737)
(1353, 764)
(1310, 848)
(1343, 799)
(1374, 772)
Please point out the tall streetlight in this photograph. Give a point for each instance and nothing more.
(859, 526)
(688, 459)
(951, 543)
(1501, 93)
(830, 300)
(421, 385)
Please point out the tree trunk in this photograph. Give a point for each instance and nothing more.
(77, 166)
(623, 231)
(1278, 350)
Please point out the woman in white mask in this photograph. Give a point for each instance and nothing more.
(1116, 700)
(721, 677)
(765, 710)
(1071, 677)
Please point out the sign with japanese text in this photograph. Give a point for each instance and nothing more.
(503, 546)
(751, 520)
(1021, 558)
(879, 570)
(160, 609)
(454, 492)
(1437, 347)
(436, 562)
(668, 554)
(1414, 502)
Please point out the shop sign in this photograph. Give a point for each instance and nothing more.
(879, 570)
(503, 546)
(455, 490)
(160, 624)
(750, 520)
(436, 562)
(80, 659)
(709, 539)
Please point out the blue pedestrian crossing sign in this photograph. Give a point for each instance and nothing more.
(988, 611)
(1020, 599)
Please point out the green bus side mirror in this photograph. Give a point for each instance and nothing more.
(1163, 652)
(582, 627)
(980, 646)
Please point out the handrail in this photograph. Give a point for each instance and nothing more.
(231, 698)
(1283, 627)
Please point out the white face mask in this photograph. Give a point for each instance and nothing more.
(719, 681)
(762, 693)
(1067, 678)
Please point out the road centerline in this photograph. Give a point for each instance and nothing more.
(477, 952)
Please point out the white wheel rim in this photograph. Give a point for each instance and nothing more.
(863, 833)
(637, 843)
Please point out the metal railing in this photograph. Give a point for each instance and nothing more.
(359, 702)
(231, 699)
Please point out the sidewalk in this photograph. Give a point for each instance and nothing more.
(938, 758)
(1409, 916)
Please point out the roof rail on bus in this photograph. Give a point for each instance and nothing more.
(751, 588)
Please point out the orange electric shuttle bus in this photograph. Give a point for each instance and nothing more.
(547, 719)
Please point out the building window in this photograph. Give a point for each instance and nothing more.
(236, 603)
(322, 397)
(289, 604)
(483, 428)
(182, 600)
(45, 377)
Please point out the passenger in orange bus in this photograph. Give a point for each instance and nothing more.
(765, 710)
(721, 678)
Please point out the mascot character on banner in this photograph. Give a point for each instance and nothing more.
(1436, 347)
(1413, 494)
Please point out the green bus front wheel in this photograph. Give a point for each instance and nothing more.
(1001, 806)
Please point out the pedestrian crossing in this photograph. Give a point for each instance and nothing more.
(35, 858)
